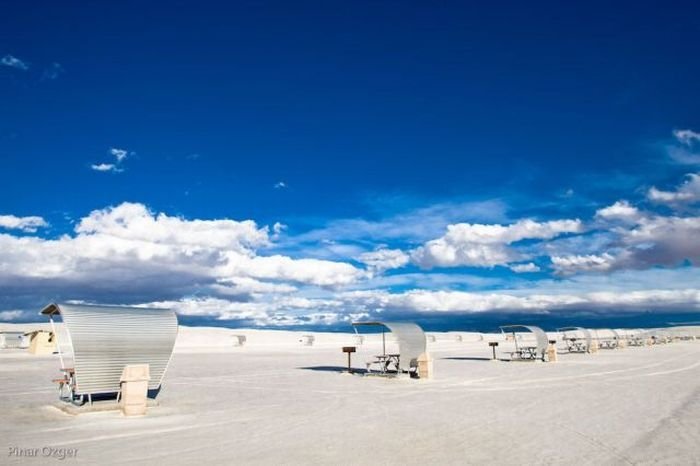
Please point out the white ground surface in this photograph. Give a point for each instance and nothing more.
(275, 401)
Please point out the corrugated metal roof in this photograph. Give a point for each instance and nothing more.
(410, 337)
(567, 331)
(540, 336)
(107, 338)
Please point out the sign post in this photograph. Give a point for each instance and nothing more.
(349, 350)
(493, 345)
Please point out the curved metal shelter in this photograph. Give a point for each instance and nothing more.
(409, 336)
(659, 335)
(620, 335)
(685, 332)
(105, 339)
(13, 340)
(635, 337)
(540, 337)
(574, 332)
(607, 338)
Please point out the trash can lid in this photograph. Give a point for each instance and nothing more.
(135, 372)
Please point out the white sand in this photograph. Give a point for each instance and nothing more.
(274, 401)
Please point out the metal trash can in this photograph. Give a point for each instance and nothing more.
(134, 389)
(594, 346)
(425, 366)
(552, 351)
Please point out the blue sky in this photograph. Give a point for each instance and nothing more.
(277, 163)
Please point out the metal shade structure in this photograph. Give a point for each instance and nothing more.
(573, 332)
(540, 337)
(607, 338)
(105, 339)
(409, 336)
(685, 332)
(659, 335)
(635, 337)
(621, 335)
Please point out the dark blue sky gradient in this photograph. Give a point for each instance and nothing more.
(342, 101)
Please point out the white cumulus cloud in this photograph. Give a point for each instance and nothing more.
(583, 263)
(479, 245)
(685, 149)
(27, 224)
(621, 210)
(156, 256)
(14, 62)
(687, 192)
(650, 240)
(277, 267)
(135, 222)
(524, 268)
(686, 136)
(279, 311)
(384, 259)
(435, 302)
(119, 154)
(7, 316)
(105, 167)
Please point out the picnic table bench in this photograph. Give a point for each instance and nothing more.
(66, 384)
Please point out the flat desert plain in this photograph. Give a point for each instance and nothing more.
(275, 401)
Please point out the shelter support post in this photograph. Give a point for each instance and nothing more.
(58, 347)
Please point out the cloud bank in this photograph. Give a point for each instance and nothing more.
(621, 256)
(479, 245)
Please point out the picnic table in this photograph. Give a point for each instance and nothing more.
(608, 344)
(525, 352)
(574, 345)
(384, 361)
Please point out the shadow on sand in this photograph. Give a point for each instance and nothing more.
(355, 370)
(467, 359)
